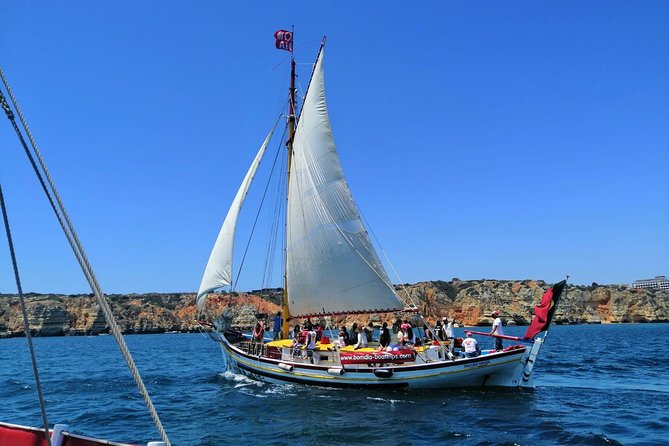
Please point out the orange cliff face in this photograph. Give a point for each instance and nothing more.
(469, 302)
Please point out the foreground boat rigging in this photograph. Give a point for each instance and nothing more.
(14, 435)
(331, 268)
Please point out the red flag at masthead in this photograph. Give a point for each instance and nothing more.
(284, 40)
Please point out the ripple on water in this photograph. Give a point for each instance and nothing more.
(609, 396)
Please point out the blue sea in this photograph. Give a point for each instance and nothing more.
(595, 385)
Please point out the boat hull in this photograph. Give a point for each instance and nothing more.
(499, 369)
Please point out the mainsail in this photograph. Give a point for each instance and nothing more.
(331, 265)
(218, 272)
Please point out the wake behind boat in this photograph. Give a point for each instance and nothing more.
(331, 269)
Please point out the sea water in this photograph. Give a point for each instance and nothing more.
(595, 385)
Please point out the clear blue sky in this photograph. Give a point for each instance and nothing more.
(505, 140)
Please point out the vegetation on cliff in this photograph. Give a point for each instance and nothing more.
(469, 302)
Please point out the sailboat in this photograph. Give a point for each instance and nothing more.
(332, 270)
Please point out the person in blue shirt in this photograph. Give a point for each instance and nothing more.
(276, 327)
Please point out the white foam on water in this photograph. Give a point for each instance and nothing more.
(280, 389)
(237, 377)
(249, 391)
(386, 400)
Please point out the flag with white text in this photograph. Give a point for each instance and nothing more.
(284, 40)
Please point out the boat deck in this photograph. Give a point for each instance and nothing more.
(330, 355)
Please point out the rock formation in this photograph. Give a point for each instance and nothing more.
(469, 302)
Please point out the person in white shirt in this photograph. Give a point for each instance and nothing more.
(362, 339)
(310, 343)
(497, 329)
(448, 331)
(311, 339)
(399, 345)
(470, 346)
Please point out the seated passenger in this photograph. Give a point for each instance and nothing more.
(401, 337)
(384, 336)
(296, 331)
(343, 335)
(409, 337)
(361, 339)
(353, 334)
(428, 334)
(471, 346)
(296, 346)
(369, 331)
(402, 340)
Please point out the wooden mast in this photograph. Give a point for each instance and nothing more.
(291, 136)
(285, 312)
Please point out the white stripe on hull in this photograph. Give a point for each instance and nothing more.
(503, 369)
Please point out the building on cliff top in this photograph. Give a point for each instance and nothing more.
(659, 282)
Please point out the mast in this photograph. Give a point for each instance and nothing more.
(285, 312)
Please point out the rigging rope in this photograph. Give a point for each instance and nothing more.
(255, 222)
(75, 244)
(274, 223)
(24, 312)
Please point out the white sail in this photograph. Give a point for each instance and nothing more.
(218, 272)
(331, 265)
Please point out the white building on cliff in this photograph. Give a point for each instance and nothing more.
(659, 282)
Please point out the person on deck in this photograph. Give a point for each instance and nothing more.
(401, 337)
(352, 336)
(448, 331)
(470, 346)
(296, 345)
(497, 329)
(368, 331)
(310, 342)
(259, 331)
(410, 338)
(276, 327)
(430, 334)
(439, 332)
(361, 339)
(400, 344)
(384, 336)
(397, 325)
(296, 331)
(343, 336)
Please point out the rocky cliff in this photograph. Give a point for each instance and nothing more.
(472, 301)
(467, 301)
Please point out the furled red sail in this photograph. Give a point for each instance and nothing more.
(543, 313)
